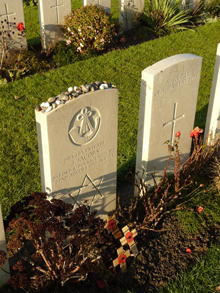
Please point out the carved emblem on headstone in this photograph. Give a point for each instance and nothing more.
(84, 125)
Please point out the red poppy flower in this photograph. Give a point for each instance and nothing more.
(129, 237)
(188, 250)
(20, 26)
(178, 134)
(200, 209)
(122, 258)
(111, 224)
(196, 131)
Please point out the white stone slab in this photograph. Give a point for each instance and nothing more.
(212, 128)
(78, 150)
(4, 276)
(169, 91)
(127, 11)
(12, 12)
(51, 14)
(105, 4)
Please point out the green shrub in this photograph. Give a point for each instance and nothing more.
(212, 8)
(90, 29)
(21, 63)
(197, 14)
(163, 16)
(64, 55)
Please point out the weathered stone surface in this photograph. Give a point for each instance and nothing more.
(3, 275)
(128, 11)
(78, 150)
(51, 14)
(105, 4)
(169, 91)
(212, 128)
(11, 13)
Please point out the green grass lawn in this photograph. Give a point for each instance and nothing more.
(19, 167)
(204, 277)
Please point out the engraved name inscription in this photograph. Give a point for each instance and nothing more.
(178, 81)
(85, 160)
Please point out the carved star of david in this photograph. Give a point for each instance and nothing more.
(96, 193)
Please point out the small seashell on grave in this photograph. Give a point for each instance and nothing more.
(85, 88)
(63, 97)
(45, 105)
(49, 109)
(103, 86)
(51, 100)
(72, 93)
(70, 89)
(98, 83)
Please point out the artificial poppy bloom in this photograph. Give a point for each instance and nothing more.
(178, 134)
(20, 26)
(111, 224)
(200, 209)
(122, 258)
(129, 237)
(196, 131)
(188, 250)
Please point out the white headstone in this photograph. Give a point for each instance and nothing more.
(11, 14)
(127, 11)
(78, 150)
(168, 99)
(105, 4)
(4, 274)
(51, 14)
(212, 128)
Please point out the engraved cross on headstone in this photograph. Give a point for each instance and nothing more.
(7, 14)
(57, 6)
(173, 122)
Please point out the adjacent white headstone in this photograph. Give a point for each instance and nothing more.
(105, 4)
(78, 150)
(51, 14)
(11, 14)
(127, 11)
(168, 99)
(5, 273)
(212, 128)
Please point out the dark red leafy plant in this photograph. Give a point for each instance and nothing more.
(55, 244)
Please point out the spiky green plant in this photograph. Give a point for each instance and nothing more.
(164, 16)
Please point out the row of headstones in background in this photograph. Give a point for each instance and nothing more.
(51, 15)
